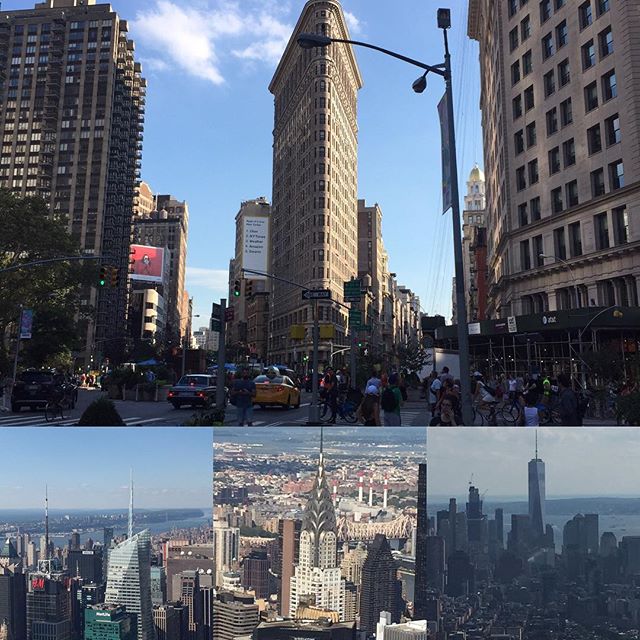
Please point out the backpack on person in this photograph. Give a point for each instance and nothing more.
(388, 400)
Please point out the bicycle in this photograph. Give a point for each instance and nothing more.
(346, 410)
(487, 414)
(56, 405)
(509, 412)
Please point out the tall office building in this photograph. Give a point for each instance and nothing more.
(252, 251)
(85, 564)
(317, 580)
(537, 495)
(420, 597)
(560, 113)
(12, 592)
(288, 556)
(167, 226)
(48, 604)
(158, 585)
(71, 117)
(381, 588)
(129, 580)
(226, 548)
(234, 614)
(435, 568)
(256, 573)
(191, 598)
(109, 622)
(167, 622)
(314, 203)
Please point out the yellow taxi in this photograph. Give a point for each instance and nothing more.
(275, 389)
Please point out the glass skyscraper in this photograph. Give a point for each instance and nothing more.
(129, 581)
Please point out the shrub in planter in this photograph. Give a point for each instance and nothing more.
(629, 408)
(101, 413)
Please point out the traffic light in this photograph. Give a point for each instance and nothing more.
(102, 279)
(114, 278)
(236, 289)
(248, 288)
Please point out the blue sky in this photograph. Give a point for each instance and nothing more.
(596, 462)
(209, 119)
(89, 468)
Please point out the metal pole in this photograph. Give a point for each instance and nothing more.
(15, 361)
(352, 358)
(461, 304)
(222, 356)
(314, 409)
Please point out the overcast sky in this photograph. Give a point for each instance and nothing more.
(578, 462)
(89, 468)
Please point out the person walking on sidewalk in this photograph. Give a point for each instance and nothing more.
(369, 409)
(242, 393)
(569, 414)
(391, 401)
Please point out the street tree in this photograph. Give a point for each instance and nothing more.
(30, 232)
(412, 357)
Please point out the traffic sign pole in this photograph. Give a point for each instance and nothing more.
(222, 356)
(314, 409)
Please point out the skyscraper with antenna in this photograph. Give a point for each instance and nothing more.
(129, 575)
(537, 494)
(318, 580)
(130, 521)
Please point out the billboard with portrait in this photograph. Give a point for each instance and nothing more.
(147, 263)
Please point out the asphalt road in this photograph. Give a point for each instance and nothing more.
(150, 414)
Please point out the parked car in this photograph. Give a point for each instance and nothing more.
(195, 389)
(33, 388)
(276, 390)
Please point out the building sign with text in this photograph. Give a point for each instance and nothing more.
(255, 249)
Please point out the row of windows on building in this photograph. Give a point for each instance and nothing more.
(558, 203)
(548, 7)
(609, 90)
(567, 240)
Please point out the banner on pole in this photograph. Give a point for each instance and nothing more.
(26, 324)
(443, 111)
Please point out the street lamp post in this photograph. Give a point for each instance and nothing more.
(311, 40)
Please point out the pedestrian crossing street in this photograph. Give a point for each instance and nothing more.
(37, 420)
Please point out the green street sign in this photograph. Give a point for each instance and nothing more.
(353, 290)
(355, 318)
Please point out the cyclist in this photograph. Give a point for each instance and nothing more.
(330, 387)
(484, 396)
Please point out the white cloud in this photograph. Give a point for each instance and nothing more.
(352, 22)
(154, 64)
(212, 279)
(198, 40)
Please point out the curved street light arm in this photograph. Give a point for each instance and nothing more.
(586, 326)
(438, 69)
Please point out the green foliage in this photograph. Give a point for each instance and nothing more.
(412, 357)
(29, 233)
(207, 418)
(629, 408)
(101, 413)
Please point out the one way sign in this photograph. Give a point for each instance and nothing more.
(316, 294)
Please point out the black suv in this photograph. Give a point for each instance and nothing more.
(34, 388)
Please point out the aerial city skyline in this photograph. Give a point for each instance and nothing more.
(329, 525)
